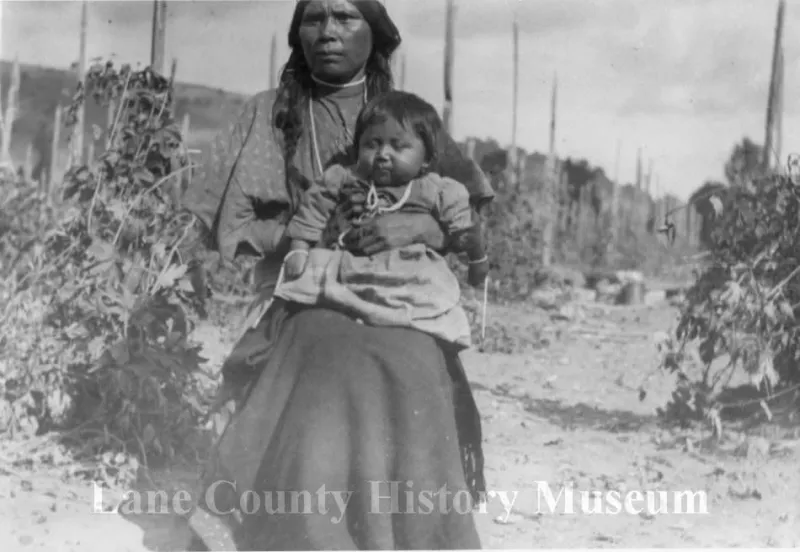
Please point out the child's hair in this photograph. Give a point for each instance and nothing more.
(409, 110)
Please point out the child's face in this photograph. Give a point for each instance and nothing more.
(390, 154)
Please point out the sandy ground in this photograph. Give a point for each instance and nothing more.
(568, 413)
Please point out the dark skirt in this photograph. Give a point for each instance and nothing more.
(380, 417)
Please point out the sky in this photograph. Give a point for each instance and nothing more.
(682, 79)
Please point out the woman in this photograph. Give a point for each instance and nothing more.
(332, 407)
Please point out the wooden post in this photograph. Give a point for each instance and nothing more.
(658, 206)
(582, 219)
(687, 221)
(449, 53)
(552, 184)
(27, 168)
(158, 38)
(522, 167)
(471, 148)
(80, 124)
(649, 197)
(779, 111)
(553, 105)
(639, 169)
(273, 62)
(178, 183)
(54, 152)
(559, 195)
(185, 128)
(173, 72)
(8, 119)
(698, 225)
(513, 155)
(775, 92)
(613, 223)
(636, 202)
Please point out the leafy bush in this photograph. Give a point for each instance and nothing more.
(98, 294)
(741, 313)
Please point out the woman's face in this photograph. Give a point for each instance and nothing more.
(336, 40)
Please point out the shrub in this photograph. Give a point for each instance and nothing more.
(98, 295)
(743, 306)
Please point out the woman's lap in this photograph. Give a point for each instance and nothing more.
(342, 407)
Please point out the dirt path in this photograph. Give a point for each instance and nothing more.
(571, 413)
(566, 413)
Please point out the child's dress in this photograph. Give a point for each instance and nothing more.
(415, 280)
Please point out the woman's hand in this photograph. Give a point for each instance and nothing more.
(294, 266)
(392, 230)
(295, 261)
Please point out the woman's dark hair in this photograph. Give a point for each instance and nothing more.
(295, 80)
(412, 112)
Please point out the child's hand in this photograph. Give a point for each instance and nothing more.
(295, 264)
(478, 272)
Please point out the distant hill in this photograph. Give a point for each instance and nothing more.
(43, 88)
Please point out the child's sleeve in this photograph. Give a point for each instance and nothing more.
(456, 216)
(316, 206)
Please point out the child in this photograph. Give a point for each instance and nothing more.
(411, 286)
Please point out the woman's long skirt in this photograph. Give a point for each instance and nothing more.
(347, 439)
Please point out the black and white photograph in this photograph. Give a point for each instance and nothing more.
(399, 274)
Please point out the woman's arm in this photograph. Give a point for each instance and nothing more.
(243, 232)
(454, 164)
(240, 193)
(316, 205)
